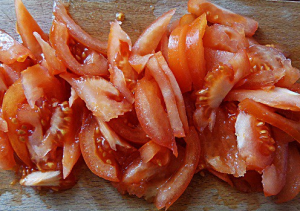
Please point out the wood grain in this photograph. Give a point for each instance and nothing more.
(279, 23)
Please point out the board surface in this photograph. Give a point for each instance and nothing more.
(279, 24)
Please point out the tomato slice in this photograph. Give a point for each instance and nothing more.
(71, 145)
(292, 187)
(224, 177)
(37, 82)
(11, 50)
(54, 64)
(274, 176)
(117, 78)
(186, 19)
(265, 114)
(220, 145)
(177, 58)
(278, 69)
(217, 14)
(195, 51)
(13, 97)
(119, 49)
(97, 91)
(226, 38)
(152, 116)
(148, 41)
(76, 31)
(7, 160)
(26, 25)
(168, 96)
(155, 153)
(97, 156)
(250, 182)
(93, 64)
(179, 181)
(176, 89)
(278, 97)
(255, 148)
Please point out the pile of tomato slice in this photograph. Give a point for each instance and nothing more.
(199, 95)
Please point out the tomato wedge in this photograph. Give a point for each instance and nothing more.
(176, 89)
(155, 153)
(11, 50)
(274, 176)
(71, 145)
(54, 64)
(255, 148)
(226, 38)
(97, 91)
(179, 181)
(278, 97)
(129, 130)
(217, 14)
(265, 114)
(26, 25)
(152, 116)
(148, 41)
(94, 63)
(168, 95)
(292, 187)
(97, 158)
(13, 97)
(76, 31)
(177, 58)
(195, 51)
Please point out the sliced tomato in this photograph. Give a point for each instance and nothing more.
(54, 64)
(155, 153)
(76, 31)
(269, 59)
(93, 64)
(195, 51)
(119, 49)
(292, 187)
(112, 138)
(220, 145)
(71, 145)
(278, 97)
(128, 128)
(214, 57)
(100, 96)
(97, 156)
(217, 14)
(177, 58)
(7, 160)
(254, 142)
(148, 41)
(117, 78)
(152, 116)
(12, 51)
(274, 176)
(179, 181)
(13, 97)
(217, 84)
(266, 114)
(37, 82)
(176, 89)
(186, 19)
(12, 72)
(26, 25)
(226, 38)
(168, 96)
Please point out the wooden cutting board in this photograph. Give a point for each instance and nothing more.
(279, 23)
